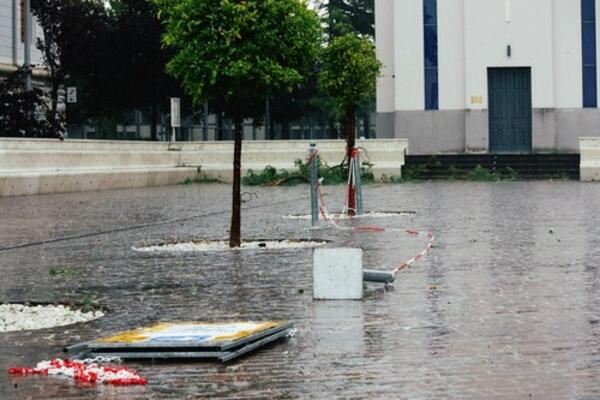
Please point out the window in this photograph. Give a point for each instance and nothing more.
(431, 54)
(588, 45)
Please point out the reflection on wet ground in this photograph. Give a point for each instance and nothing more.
(507, 305)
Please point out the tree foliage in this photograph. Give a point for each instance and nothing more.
(350, 70)
(236, 54)
(45, 12)
(142, 58)
(77, 48)
(349, 16)
(20, 110)
(113, 55)
(349, 76)
(237, 51)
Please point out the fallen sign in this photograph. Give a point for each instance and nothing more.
(222, 341)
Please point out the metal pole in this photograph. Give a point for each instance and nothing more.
(314, 181)
(268, 119)
(138, 123)
(173, 134)
(358, 183)
(378, 276)
(205, 121)
(27, 58)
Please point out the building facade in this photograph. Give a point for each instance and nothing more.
(12, 36)
(488, 76)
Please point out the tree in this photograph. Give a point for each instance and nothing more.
(20, 109)
(351, 16)
(78, 50)
(349, 74)
(46, 12)
(235, 53)
(105, 52)
(347, 16)
(142, 58)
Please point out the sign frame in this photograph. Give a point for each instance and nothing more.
(224, 349)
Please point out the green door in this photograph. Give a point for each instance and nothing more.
(510, 110)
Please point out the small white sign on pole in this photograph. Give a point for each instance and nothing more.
(175, 112)
(71, 94)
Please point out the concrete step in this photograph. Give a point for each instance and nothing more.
(13, 183)
(284, 156)
(64, 159)
(528, 166)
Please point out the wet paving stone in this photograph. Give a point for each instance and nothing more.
(506, 306)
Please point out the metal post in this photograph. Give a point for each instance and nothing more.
(205, 121)
(138, 123)
(358, 183)
(268, 119)
(378, 276)
(27, 47)
(314, 181)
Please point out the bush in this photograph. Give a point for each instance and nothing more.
(270, 176)
(22, 113)
(199, 179)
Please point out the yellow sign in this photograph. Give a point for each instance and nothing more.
(197, 332)
(476, 99)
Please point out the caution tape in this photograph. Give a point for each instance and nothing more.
(371, 229)
(85, 371)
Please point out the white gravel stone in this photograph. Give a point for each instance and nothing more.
(374, 214)
(200, 246)
(18, 317)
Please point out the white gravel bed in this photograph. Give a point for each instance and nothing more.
(222, 245)
(373, 214)
(18, 317)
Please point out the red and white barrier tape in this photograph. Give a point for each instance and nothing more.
(416, 258)
(83, 372)
(372, 229)
(351, 180)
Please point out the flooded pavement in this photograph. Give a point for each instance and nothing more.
(506, 306)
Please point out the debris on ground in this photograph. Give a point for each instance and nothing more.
(222, 341)
(83, 372)
(19, 317)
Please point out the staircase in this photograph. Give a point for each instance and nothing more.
(500, 166)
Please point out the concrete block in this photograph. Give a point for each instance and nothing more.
(589, 148)
(338, 274)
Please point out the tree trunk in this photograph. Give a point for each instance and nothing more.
(350, 123)
(285, 130)
(235, 231)
(154, 122)
(332, 132)
(54, 110)
(268, 128)
(219, 134)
